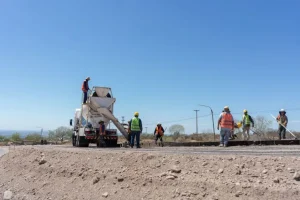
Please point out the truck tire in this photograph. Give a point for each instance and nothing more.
(86, 144)
(79, 142)
(101, 143)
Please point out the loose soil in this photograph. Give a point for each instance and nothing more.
(32, 173)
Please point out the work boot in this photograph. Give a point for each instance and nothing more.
(221, 145)
(138, 147)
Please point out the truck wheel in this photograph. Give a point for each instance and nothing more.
(101, 143)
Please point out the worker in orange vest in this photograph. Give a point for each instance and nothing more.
(227, 126)
(159, 133)
(85, 88)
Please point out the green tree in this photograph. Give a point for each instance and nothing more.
(262, 125)
(33, 137)
(51, 136)
(2, 138)
(16, 137)
(62, 133)
(176, 130)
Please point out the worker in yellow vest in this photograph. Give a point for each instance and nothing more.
(135, 128)
(159, 133)
(247, 120)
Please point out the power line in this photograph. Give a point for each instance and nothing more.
(201, 116)
(179, 120)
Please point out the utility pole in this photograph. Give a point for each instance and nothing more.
(146, 129)
(196, 121)
(123, 119)
(212, 117)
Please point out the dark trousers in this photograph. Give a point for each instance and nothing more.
(84, 97)
(134, 134)
(157, 136)
(281, 131)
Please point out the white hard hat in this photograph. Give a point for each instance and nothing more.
(158, 123)
(282, 110)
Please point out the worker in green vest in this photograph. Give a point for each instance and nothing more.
(247, 120)
(135, 128)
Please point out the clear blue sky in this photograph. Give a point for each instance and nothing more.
(161, 58)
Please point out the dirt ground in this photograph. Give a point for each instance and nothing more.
(32, 172)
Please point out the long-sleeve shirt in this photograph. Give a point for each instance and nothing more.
(140, 124)
(86, 85)
(283, 119)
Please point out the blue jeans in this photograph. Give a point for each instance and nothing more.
(224, 135)
(134, 134)
(84, 97)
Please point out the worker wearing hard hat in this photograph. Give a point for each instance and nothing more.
(135, 128)
(85, 88)
(159, 133)
(247, 120)
(227, 126)
(282, 120)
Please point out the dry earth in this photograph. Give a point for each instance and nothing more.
(86, 174)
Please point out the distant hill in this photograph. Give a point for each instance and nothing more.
(23, 133)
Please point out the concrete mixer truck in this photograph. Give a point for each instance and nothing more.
(98, 107)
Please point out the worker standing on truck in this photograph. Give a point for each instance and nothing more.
(282, 120)
(159, 133)
(227, 126)
(135, 129)
(247, 120)
(85, 88)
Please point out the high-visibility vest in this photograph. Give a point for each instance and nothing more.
(247, 119)
(226, 121)
(83, 86)
(135, 124)
(159, 130)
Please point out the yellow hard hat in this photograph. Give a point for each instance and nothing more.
(136, 114)
(245, 111)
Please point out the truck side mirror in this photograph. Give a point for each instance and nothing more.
(71, 122)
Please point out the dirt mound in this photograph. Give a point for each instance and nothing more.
(55, 173)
